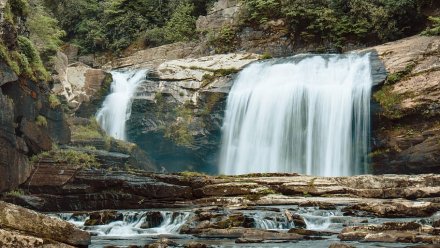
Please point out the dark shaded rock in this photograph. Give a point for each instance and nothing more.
(152, 219)
(36, 137)
(306, 232)
(436, 223)
(103, 218)
(6, 74)
(14, 165)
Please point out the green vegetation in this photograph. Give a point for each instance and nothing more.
(87, 132)
(53, 101)
(223, 40)
(69, 157)
(434, 29)
(390, 101)
(191, 174)
(102, 25)
(340, 21)
(41, 121)
(15, 193)
(180, 132)
(44, 31)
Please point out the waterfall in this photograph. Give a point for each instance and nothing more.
(116, 108)
(307, 114)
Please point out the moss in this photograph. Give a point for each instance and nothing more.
(179, 132)
(191, 174)
(41, 121)
(400, 75)
(266, 55)
(53, 101)
(6, 56)
(389, 101)
(87, 132)
(15, 193)
(69, 157)
(28, 49)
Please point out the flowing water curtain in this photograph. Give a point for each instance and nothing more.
(116, 108)
(309, 114)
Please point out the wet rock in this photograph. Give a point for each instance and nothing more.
(38, 225)
(248, 241)
(320, 205)
(103, 218)
(152, 219)
(340, 245)
(306, 232)
(394, 209)
(194, 244)
(391, 232)
(297, 220)
(436, 223)
(162, 243)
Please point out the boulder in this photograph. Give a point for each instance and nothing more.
(42, 227)
(103, 218)
(152, 219)
(78, 83)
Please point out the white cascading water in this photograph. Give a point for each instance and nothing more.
(116, 108)
(309, 114)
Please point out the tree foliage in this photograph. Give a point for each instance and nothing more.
(341, 21)
(99, 25)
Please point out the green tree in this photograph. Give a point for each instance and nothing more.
(182, 25)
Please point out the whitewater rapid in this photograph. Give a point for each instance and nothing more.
(116, 108)
(308, 114)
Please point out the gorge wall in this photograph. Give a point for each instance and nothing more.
(29, 121)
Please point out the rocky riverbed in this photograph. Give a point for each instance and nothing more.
(232, 211)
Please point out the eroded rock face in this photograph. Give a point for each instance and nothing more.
(405, 120)
(82, 87)
(177, 113)
(20, 227)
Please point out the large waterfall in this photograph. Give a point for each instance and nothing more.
(116, 108)
(307, 114)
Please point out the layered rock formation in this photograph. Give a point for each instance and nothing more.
(243, 208)
(406, 130)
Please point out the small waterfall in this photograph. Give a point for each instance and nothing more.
(132, 224)
(116, 108)
(308, 114)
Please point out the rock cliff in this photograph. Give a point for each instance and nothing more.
(406, 129)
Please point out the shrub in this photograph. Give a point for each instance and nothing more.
(434, 28)
(69, 157)
(224, 40)
(53, 101)
(26, 47)
(41, 121)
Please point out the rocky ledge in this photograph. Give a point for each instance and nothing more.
(20, 227)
